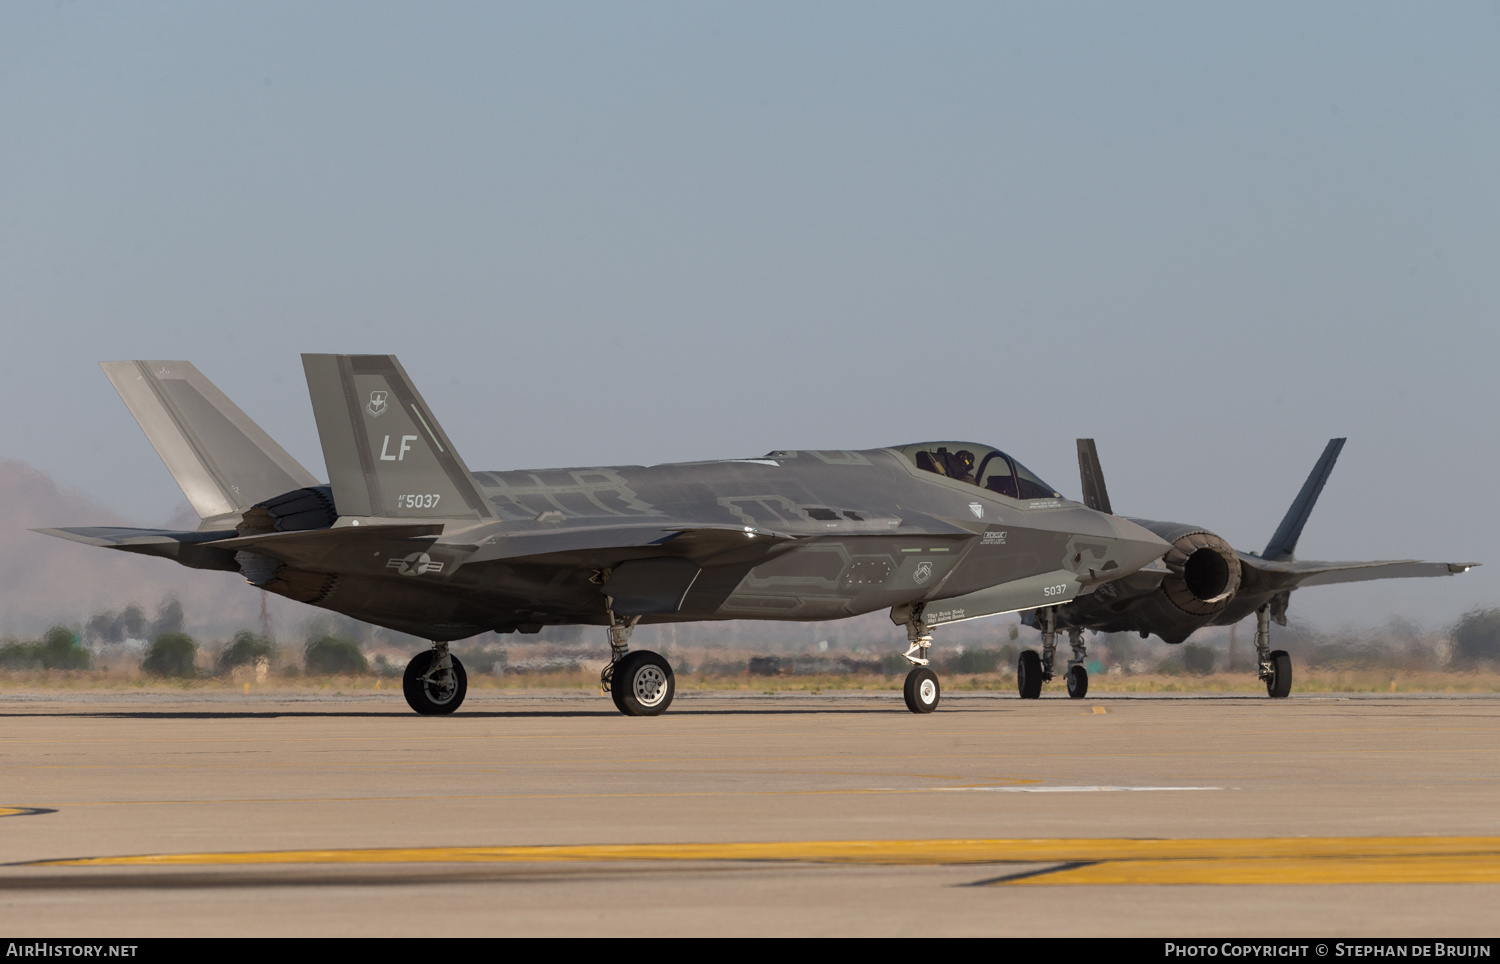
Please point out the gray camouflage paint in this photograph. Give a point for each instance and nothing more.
(1140, 602)
(405, 536)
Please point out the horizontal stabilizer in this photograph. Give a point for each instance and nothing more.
(223, 461)
(192, 549)
(1331, 573)
(116, 537)
(1284, 543)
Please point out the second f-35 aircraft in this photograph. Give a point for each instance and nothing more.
(1202, 581)
(403, 535)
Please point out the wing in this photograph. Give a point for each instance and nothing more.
(642, 569)
(598, 547)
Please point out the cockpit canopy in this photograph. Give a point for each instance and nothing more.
(980, 465)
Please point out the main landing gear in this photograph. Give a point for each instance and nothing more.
(921, 691)
(1033, 670)
(435, 682)
(641, 683)
(1275, 666)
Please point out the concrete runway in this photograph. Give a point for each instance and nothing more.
(223, 814)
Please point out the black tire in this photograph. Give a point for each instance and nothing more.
(1279, 685)
(643, 684)
(922, 691)
(430, 698)
(1078, 682)
(1029, 674)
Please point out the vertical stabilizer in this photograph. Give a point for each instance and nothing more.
(387, 456)
(1284, 542)
(1095, 495)
(224, 462)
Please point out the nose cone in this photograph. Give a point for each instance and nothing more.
(1138, 547)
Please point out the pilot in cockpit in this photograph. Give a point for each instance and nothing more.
(961, 466)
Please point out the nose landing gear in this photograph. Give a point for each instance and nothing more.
(922, 690)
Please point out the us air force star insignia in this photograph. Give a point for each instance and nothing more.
(415, 564)
(377, 405)
(922, 573)
(977, 509)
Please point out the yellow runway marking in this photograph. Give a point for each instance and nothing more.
(1413, 869)
(1297, 860)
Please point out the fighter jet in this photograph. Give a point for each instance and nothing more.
(1201, 581)
(404, 536)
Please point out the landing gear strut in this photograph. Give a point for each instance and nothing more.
(435, 682)
(1275, 665)
(641, 683)
(1033, 670)
(1049, 642)
(1078, 675)
(921, 691)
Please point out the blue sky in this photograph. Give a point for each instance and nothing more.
(1209, 236)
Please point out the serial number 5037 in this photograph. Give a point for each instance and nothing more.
(417, 501)
(1054, 590)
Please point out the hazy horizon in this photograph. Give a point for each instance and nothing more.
(1209, 237)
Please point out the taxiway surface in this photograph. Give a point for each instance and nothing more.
(548, 813)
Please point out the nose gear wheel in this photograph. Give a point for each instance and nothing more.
(922, 691)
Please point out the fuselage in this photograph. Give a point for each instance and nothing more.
(796, 535)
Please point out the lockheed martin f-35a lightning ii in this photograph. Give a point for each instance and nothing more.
(404, 536)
